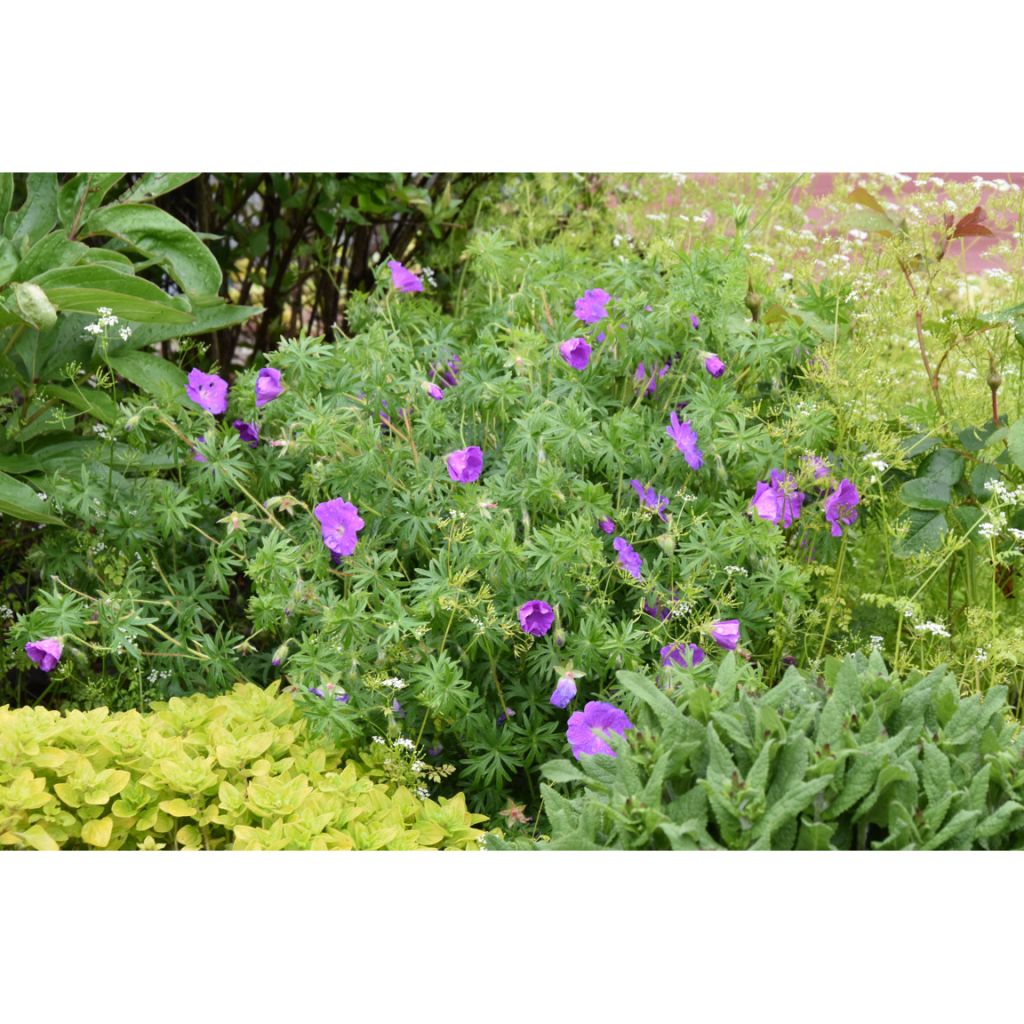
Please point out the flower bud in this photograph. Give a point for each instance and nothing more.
(666, 542)
(280, 654)
(559, 638)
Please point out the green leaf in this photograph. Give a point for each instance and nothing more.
(20, 501)
(154, 375)
(926, 492)
(8, 260)
(85, 289)
(981, 475)
(6, 194)
(1015, 443)
(38, 213)
(159, 236)
(562, 771)
(641, 687)
(97, 404)
(944, 466)
(205, 318)
(49, 253)
(81, 195)
(34, 306)
(927, 530)
(97, 833)
(154, 184)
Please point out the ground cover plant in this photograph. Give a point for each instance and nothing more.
(503, 517)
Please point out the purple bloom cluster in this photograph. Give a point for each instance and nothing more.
(592, 307)
(628, 558)
(686, 655)
(248, 432)
(778, 501)
(650, 499)
(340, 523)
(685, 438)
(208, 391)
(465, 465)
(536, 617)
(841, 506)
(46, 652)
(268, 386)
(588, 728)
(404, 280)
(442, 378)
(576, 352)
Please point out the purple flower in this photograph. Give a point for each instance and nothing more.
(656, 611)
(628, 558)
(778, 501)
(685, 438)
(466, 464)
(686, 655)
(248, 432)
(726, 633)
(397, 710)
(340, 523)
(650, 499)
(591, 308)
(536, 617)
(435, 751)
(316, 691)
(433, 390)
(607, 525)
(820, 466)
(714, 365)
(565, 690)
(208, 391)
(588, 728)
(651, 385)
(599, 338)
(576, 352)
(505, 715)
(46, 652)
(448, 376)
(198, 456)
(268, 385)
(694, 321)
(841, 506)
(404, 280)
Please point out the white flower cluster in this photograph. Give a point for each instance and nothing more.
(876, 642)
(393, 683)
(736, 570)
(5, 612)
(999, 490)
(404, 741)
(876, 462)
(980, 655)
(935, 628)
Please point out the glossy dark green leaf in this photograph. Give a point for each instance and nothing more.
(21, 502)
(85, 289)
(926, 533)
(165, 240)
(81, 195)
(926, 493)
(154, 184)
(945, 466)
(38, 213)
(154, 375)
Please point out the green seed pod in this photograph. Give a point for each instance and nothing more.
(33, 305)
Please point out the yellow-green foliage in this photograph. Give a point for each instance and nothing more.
(235, 772)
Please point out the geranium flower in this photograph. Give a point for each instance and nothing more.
(46, 652)
(248, 432)
(447, 375)
(208, 391)
(591, 308)
(650, 499)
(841, 506)
(404, 280)
(695, 323)
(536, 617)
(820, 466)
(656, 611)
(433, 390)
(686, 655)
(685, 438)
(576, 352)
(268, 385)
(778, 501)
(565, 691)
(714, 365)
(607, 525)
(726, 633)
(588, 728)
(628, 558)
(340, 523)
(466, 464)
(641, 375)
